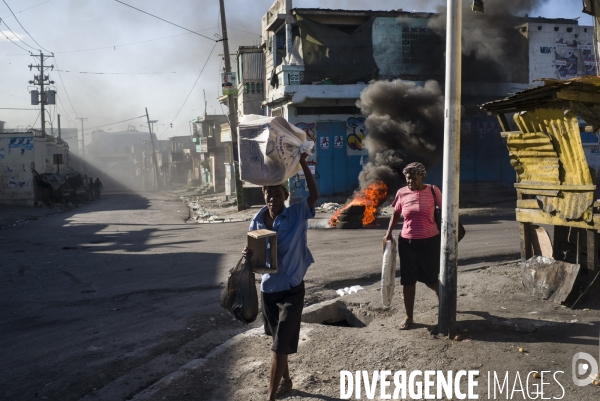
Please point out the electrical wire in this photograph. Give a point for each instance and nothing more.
(191, 90)
(11, 11)
(119, 73)
(106, 125)
(6, 93)
(19, 12)
(62, 81)
(168, 22)
(10, 108)
(28, 51)
(128, 44)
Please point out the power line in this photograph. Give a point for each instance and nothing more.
(29, 8)
(10, 108)
(64, 87)
(191, 90)
(119, 73)
(106, 125)
(24, 27)
(105, 47)
(168, 22)
(15, 35)
(15, 44)
(128, 44)
(6, 93)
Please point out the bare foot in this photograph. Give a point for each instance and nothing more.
(406, 323)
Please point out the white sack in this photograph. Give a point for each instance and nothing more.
(269, 149)
(388, 273)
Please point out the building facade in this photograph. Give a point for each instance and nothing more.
(23, 155)
(318, 61)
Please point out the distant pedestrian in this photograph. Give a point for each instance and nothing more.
(419, 241)
(91, 189)
(97, 188)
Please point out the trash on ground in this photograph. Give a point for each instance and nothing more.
(349, 290)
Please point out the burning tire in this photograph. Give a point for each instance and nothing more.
(349, 224)
(350, 218)
(353, 209)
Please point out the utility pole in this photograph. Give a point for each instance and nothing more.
(157, 175)
(239, 190)
(451, 176)
(41, 81)
(82, 145)
(59, 135)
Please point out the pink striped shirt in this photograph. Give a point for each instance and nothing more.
(417, 209)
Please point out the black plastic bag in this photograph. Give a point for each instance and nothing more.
(239, 296)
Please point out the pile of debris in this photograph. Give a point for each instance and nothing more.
(328, 207)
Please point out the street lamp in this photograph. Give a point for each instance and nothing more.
(152, 122)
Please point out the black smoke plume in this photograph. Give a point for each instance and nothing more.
(405, 124)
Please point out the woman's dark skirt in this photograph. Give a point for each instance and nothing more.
(282, 312)
(419, 260)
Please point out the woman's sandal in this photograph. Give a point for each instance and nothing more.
(406, 323)
(284, 387)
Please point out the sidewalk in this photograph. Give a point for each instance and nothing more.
(495, 320)
(11, 216)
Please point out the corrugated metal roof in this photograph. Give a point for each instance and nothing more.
(581, 89)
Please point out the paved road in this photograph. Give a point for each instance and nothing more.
(102, 301)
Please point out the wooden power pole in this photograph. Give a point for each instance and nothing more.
(239, 190)
(451, 176)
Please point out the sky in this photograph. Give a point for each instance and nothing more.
(145, 62)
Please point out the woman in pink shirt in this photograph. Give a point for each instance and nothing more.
(419, 241)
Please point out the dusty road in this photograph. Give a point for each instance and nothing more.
(102, 301)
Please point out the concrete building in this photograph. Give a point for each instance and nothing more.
(113, 154)
(181, 160)
(318, 61)
(212, 151)
(558, 48)
(251, 77)
(23, 154)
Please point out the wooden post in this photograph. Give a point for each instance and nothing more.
(526, 249)
(592, 254)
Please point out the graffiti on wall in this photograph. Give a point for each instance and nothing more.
(309, 129)
(20, 144)
(569, 53)
(356, 134)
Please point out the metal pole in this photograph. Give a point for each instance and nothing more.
(82, 145)
(288, 28)
(239, 190)
(42, 97)
(59, 135)
(451, 176)
(157, 175)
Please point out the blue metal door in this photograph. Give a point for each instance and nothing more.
(324, 169)
(340, 168)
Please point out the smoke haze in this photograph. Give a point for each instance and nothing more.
(488, 36)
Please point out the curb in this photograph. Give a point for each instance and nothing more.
(194, 364)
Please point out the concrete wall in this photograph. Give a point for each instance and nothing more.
(560, 51)
(16, 162)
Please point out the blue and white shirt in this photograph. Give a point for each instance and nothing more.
(293, 256)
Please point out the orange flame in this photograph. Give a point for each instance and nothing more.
(370, 198)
